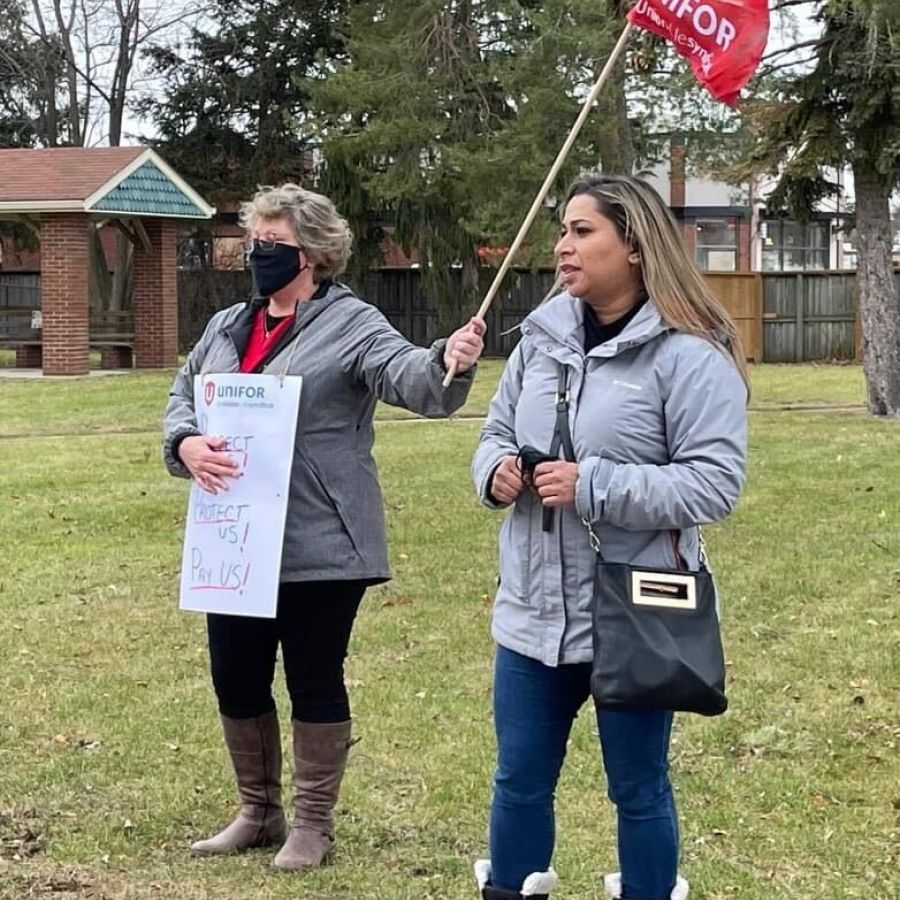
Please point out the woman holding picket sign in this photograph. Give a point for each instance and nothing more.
(619, 427)
(304, 322)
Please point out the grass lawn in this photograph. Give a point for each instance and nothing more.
(110, 755)
(133, 401)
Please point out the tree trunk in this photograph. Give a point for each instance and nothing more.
(878, 301)
(470, 295)
(615, 140)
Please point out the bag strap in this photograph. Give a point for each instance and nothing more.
(563, 436)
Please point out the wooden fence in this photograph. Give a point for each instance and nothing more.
(809, 316)
(398, 294)
(741, 294)
(782, 316)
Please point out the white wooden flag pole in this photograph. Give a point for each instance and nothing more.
(548, 181)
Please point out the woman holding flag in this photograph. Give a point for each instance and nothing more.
(655, 402)
(304, 322)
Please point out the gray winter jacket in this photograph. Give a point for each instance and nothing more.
(658, 422)
(349, 356)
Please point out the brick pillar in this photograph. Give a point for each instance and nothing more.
(65, 264)
(156, 296)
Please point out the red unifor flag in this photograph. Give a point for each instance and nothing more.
(723, 39)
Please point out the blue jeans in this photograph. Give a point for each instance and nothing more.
(534, 708)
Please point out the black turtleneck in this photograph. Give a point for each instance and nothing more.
(273, 321)
(596, 333)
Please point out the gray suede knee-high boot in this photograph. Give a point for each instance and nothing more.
(320, 757)
(255, 749)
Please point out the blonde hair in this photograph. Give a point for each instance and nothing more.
(678, 290)
(315, 222)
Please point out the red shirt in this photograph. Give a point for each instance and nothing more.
(259, 344)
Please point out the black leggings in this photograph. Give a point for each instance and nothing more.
(313, 626)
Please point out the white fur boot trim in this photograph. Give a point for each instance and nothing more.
(613, 885)
(535, 883)
(539, 883)
(482, 873)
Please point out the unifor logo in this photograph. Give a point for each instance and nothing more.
(209, 392)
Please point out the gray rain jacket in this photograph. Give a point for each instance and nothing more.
(349, 356)
(658, 422)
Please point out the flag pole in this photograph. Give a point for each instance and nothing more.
(548, 181)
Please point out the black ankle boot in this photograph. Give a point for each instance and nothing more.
(492, 893)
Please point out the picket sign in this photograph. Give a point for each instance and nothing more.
(231, 560)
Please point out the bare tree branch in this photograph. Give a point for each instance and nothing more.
(100, 41)
(792, 49)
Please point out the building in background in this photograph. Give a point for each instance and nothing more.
(730, 228)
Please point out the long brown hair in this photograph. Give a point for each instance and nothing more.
(679, 291)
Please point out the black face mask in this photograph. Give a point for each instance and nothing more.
(274, 266)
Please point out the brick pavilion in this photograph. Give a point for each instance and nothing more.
(62, 193)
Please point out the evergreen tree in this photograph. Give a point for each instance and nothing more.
(233, 112)
(446, 118)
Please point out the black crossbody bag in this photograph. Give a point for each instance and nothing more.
(657, 643)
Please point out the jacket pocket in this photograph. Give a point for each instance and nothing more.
(525, 555)
(516, 554)
(334, 502)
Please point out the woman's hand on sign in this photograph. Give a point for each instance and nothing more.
(554, 482)
(465, 345)
(209, 466)
(507, 483)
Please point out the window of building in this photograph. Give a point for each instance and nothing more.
(793, 246)
(717, 245)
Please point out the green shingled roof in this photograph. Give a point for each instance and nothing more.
(149, 191)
